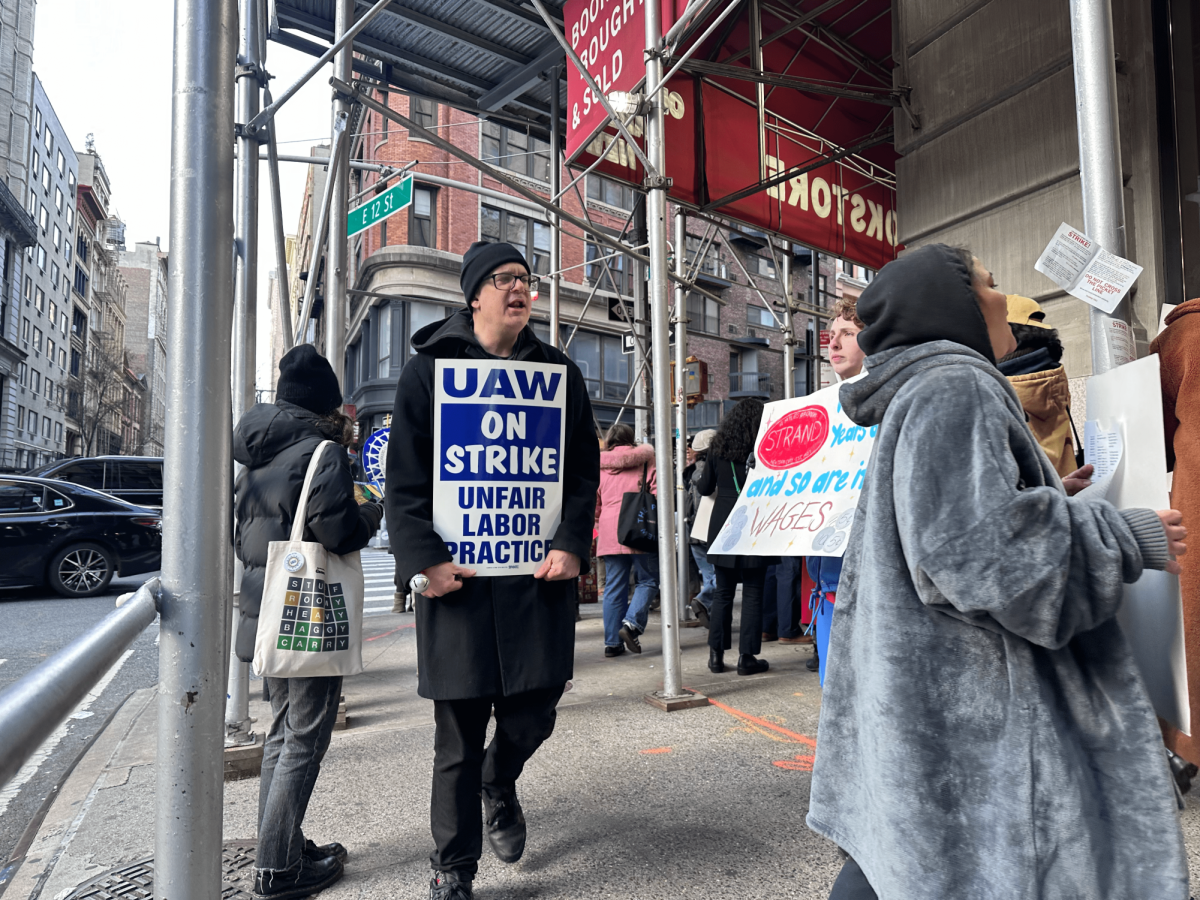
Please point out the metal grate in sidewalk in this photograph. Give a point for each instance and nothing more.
(135, 881)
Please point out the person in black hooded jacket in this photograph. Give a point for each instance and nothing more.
(501, 643)
(275, 442)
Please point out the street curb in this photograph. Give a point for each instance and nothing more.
(9, 871)
(77, 785)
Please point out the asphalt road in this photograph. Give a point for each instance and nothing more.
(37, 623)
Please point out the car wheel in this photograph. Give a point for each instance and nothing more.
(81, 570)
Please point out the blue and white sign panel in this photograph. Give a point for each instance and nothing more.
(497, 482)
(374, 455)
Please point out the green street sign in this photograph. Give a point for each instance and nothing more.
(375, 210)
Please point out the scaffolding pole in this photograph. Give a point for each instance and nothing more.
(641, 396)
(555, 188)
(337, 267)
(238, 727)
(672, 694)
(682, 542)
(1100, 165)
(197, 506)
(281, 270)
(789, 327)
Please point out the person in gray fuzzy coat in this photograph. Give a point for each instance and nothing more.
(985, 732)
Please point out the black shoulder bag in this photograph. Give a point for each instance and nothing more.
(637, 523)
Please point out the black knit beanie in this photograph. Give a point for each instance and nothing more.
(307, 379)
(481, 260)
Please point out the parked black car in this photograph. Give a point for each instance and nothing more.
(72, 538)
(136, 479)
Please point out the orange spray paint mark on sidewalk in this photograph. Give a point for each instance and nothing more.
(760, 723)
(656, 750)
(800, 763)
(386, 633)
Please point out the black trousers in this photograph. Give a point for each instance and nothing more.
(720, 617)
(462, 767)
(852, 884)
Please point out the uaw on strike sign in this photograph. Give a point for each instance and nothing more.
(497, 481)
(800, 498)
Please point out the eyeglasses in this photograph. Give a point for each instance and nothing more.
(504, 281)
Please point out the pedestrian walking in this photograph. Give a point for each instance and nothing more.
(501, 645)
(701, 604)
(984, 730)
(723, 479)
(275, 442)
(624, 467)
(846, 358)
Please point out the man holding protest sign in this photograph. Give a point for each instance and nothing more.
(493, 468)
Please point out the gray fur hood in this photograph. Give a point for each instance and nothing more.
(985, 733)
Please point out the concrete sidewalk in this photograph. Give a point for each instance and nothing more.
(623, 802)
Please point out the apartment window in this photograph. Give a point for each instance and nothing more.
(50, 390)
(70, 219)
(48, 141)
(32, 202)
(422, 223)
(62, 163)
(58, 432)
(46, 179)
(758, 264)
(529, 236)
(424, 112)
(44, 218)
(58, 199)
(55, 272)
(35, 381)
(384, 341)
(37, 122)
(37, 162)
(25, 326)
(71, 181)
(53, 316)
(76, 362)
(81, 249)
(28, 292)
(518, 152)
(617, 277)
(50, 350)
(81, 282)
(759, 317)
(22, 374)
(420, 315)
(704, 314)
(39, 300)
(37, 340)
(20, 418)
(605, 190)
(31, 423)
(605, 368)
(45, 426)
(62, 364)
(66, 249)
(712, 264)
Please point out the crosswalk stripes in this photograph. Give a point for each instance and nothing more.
(379, 573)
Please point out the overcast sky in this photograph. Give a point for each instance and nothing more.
(106, 67)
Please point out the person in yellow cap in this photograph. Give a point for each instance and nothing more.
(1036, 373)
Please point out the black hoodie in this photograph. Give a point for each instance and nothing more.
(275, 442)
(502, 635)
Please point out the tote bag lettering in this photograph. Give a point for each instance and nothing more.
(637, 523)
(310, 622)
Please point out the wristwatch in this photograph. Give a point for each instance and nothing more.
(419, 583)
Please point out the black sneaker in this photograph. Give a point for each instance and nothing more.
(610, 652)
(306, 879)
(320, 851)
(699, 611)
(450, 886)
(505, 825)
(630, 637)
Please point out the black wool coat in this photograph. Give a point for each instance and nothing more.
(275, 443)
(717, 479)
(496, 636)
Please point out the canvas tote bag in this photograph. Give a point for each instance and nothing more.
(310, 621)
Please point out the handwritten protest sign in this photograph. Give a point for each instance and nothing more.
(497, 481)
(800, 498)
(1084, 269)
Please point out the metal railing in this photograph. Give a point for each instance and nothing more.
(749, 383)
(32, 707)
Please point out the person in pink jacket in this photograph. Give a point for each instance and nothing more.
(622, 467)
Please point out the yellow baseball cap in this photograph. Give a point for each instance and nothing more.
(1023, 311)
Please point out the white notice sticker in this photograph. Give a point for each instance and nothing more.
(1084, 269)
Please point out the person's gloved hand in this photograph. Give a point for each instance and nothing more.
(373, 513)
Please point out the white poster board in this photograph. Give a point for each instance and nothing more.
(1126, 400)
(800, 498)
(497, 483)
